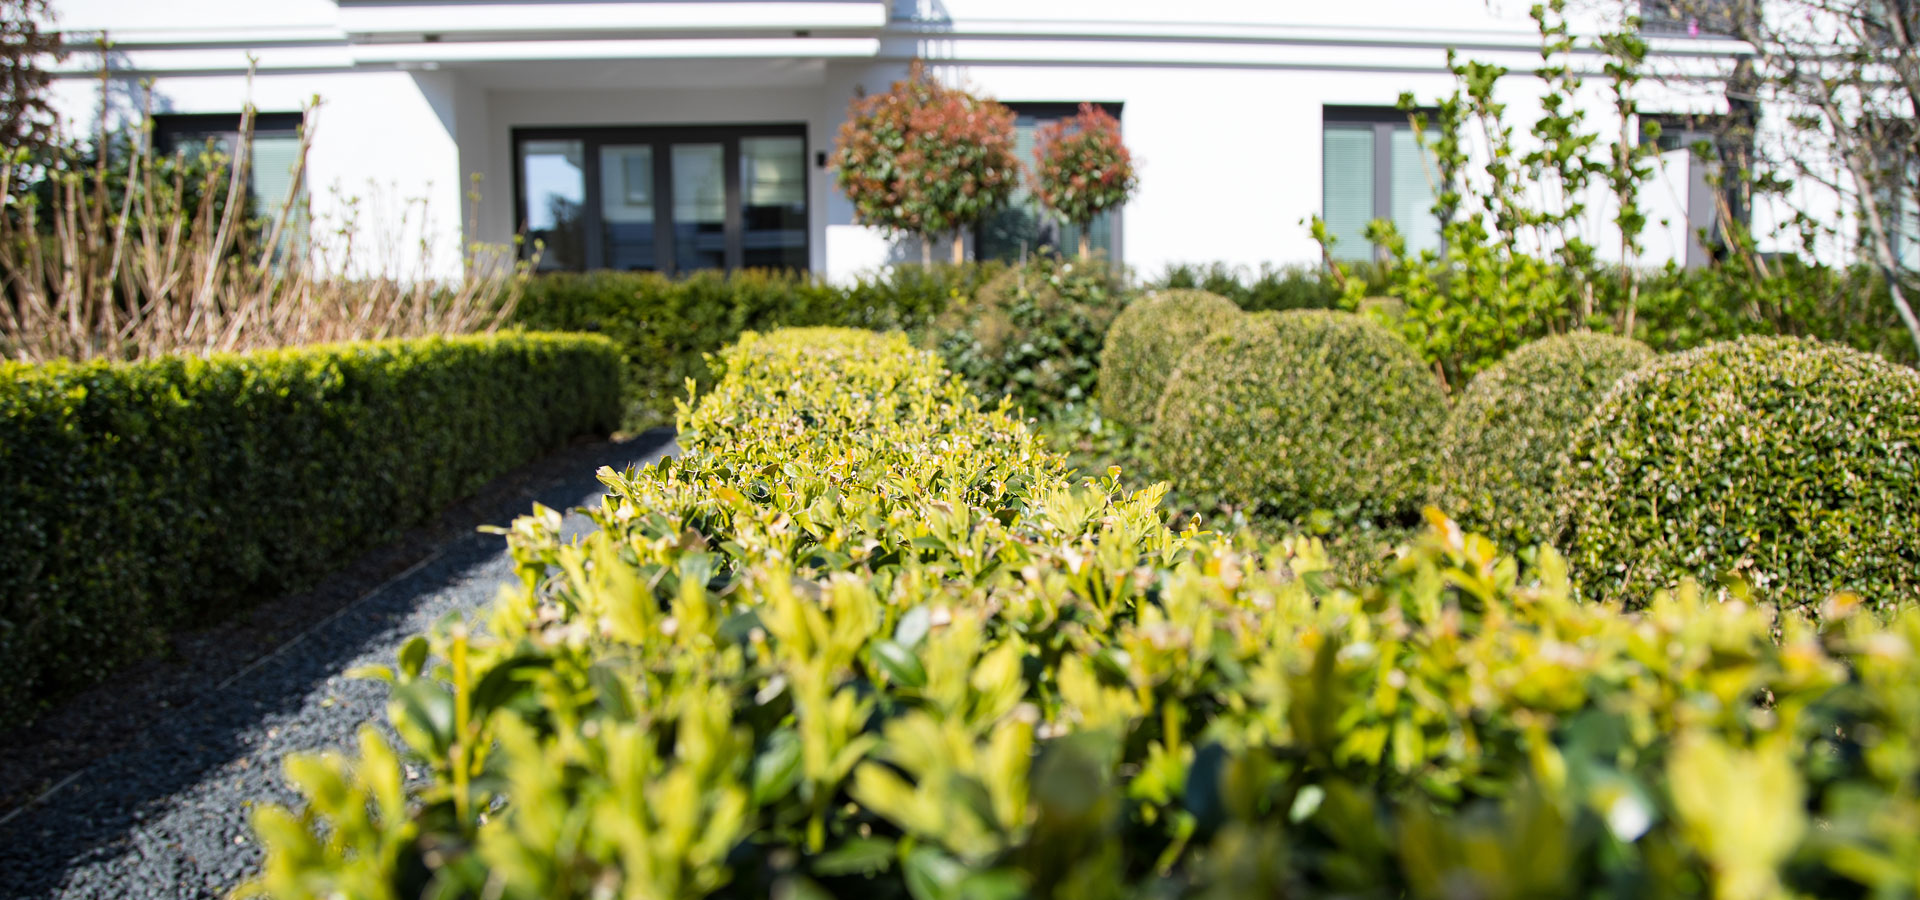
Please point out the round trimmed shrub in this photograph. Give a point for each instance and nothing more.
(1302, 415)
(1791, 464)
(1508, 433)
(1147, 341)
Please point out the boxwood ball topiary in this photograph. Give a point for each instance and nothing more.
(1147, 341)
(1300, 414)
(1508, 433)
(1792, 464)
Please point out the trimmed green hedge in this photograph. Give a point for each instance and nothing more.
(667, 327)
(146, 495)
(864, 640)
(1302, 416)
(1789, 463)
(1147, 340)
(1507, 437)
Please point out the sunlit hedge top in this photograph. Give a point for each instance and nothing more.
(1792, 464)
(834, 651)
(1508, 433)
(925, 158)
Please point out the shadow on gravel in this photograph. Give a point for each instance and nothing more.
(199, 761)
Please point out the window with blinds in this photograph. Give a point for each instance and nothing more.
(1371, 168)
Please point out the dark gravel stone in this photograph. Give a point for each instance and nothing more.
(162, 812)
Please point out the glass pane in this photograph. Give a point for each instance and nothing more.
(1024, 225)
(1413, 194)
(699, 206)
(554, 184)
(1347, 184)
(773, 196)
(274, 159)
(626, 207)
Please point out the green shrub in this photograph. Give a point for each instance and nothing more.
(863, 640)
(1300, 415)
(1791, 464)
(1147, 340)
(666, 327)
(1034, 332)
(141, 496)
(1507, 436)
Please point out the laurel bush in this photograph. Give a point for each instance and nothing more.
(1034, 331)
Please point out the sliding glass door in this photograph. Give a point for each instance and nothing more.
(671, 200)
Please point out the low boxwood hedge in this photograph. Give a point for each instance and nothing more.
(1508, 433)
(864, 640)
(666, 327)
(1302, 415)
(142, 496)
(1147, 340)
(1790, 464)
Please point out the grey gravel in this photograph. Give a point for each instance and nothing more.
(167, 817)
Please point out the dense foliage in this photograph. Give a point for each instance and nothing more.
(1508, 433)
(667, 327)
(1308, 416)
(1791, 465)
(1034, 331)
(140, 496)
(1147, 340)
(925, 158)
(1081, 168)
(918, 663)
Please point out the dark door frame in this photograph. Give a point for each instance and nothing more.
(661, 138)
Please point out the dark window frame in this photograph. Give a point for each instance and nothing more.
(170, 128)
(1049, 111)
(660, 137)
(1383, 120)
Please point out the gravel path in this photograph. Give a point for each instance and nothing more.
(167, 815)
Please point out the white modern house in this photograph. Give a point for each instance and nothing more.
(677, 134)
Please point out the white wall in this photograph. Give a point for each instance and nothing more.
(1221, 100)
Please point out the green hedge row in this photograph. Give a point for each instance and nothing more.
(864, 639)
(667, 327)
(142, 496)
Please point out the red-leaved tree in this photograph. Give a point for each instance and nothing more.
(926, 159)
(1082, 168)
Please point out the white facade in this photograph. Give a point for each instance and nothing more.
(1221, 101)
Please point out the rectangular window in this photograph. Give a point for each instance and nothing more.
(276, 151)
(1024, 225)
(669, 200)
(1373, 168)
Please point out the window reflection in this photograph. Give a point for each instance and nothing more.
(554, 179)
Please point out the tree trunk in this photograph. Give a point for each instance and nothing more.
(1083, 245)
(926, 252)
(959, 249)
(1858, 164)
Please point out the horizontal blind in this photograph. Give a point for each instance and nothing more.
(1412, 203)
(1347, 188)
